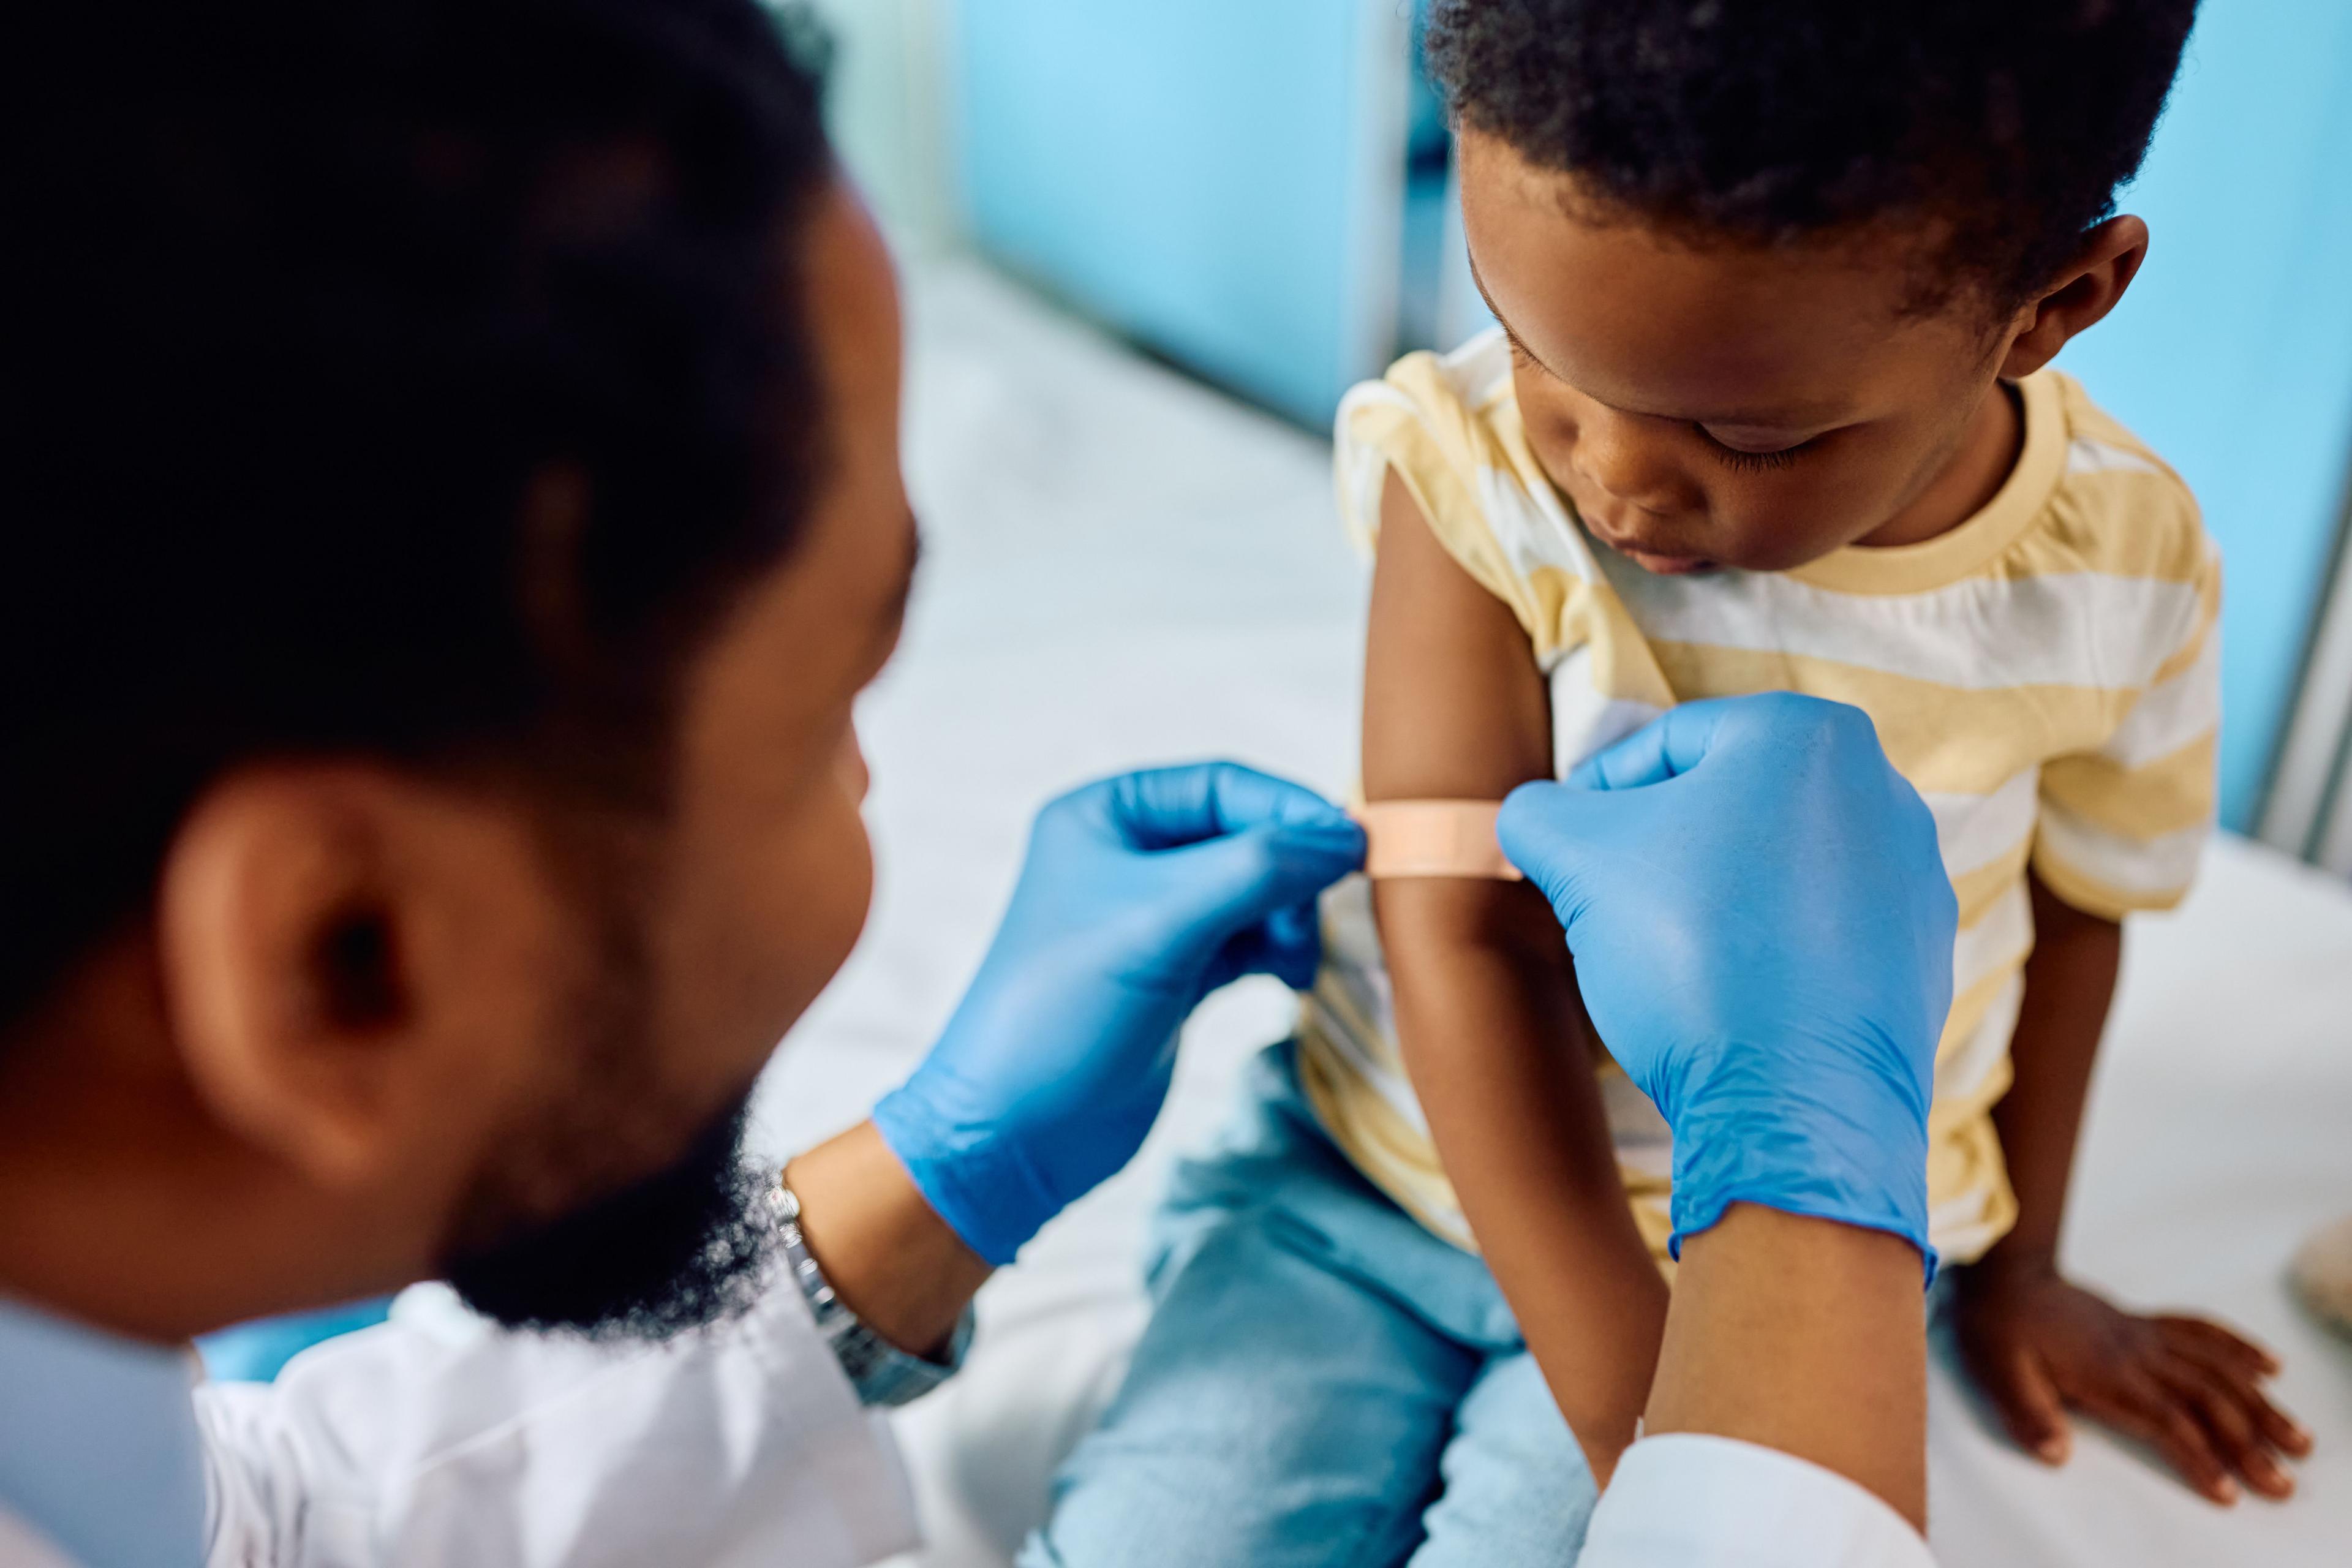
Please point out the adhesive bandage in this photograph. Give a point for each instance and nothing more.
(1433, 838)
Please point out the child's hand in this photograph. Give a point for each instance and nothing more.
(2189, 1388)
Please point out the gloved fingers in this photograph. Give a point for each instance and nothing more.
(1287, 945)
(1164, 808)
(1550, 832)
(1298, 930)
(1228, 884)
(1682, 739)
(1666, 747)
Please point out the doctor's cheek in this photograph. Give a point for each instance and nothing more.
(850, 765)
(828, 891)
(835, 893)
(846, 871)
(799, 880)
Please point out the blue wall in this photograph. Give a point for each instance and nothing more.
(2232, 353)
(1220, 179)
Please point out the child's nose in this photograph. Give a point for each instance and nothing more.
(1618, 457)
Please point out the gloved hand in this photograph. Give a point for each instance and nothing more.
(1141, 894)
(1763, 933)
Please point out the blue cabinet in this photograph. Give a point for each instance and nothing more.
(1221, 180)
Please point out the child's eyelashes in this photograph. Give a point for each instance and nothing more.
(1739, 457)
(1746, 461)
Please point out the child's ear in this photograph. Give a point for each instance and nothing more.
(2085, 291)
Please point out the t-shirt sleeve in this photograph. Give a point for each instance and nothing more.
(2122, 826)
(1446, 429)
(1414, 423)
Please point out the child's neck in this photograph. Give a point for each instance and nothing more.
(1970, 478)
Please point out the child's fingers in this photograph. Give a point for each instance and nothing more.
(2285, 1434)
(2029, 1406)
(2221, 1404)
(2217, 1343)
(2279, 1429)
(2244, 1365)
(2137, 1404)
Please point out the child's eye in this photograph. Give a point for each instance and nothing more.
(1747, 462)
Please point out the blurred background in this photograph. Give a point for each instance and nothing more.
(1258, 194)
(1145, 245)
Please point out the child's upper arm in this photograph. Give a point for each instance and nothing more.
(1454, 707)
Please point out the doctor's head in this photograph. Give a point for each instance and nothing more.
(450, 460)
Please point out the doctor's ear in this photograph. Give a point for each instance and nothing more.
(346, 956)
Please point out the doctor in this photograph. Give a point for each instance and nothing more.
(454, 503)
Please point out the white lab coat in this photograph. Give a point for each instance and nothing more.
(20, 1548)
(1689, 1501)
(436, 1440)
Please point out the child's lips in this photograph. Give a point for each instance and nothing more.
(1666, 566)
(1659, 563)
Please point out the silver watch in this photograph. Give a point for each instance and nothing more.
(882, 1373)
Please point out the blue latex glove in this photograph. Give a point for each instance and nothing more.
(1763, 933)
(1141, 894)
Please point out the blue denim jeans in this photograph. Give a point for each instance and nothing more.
(1322, 1382)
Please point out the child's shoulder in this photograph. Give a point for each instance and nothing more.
(1456, 396)
(1476, 376)
(2123, 503)
(1447, 424)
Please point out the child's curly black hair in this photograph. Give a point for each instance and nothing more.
(2009, 125)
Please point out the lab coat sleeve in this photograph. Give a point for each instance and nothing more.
(437, 1439)
(1686, 1500)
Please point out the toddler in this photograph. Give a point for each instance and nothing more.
(1769, 407)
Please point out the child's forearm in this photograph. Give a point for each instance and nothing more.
(1455, 708)
(2069, 982)
(1494, 1040)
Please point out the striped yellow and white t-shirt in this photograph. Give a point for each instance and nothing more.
(2044, 674)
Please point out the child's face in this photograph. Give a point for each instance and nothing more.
(1733, 406)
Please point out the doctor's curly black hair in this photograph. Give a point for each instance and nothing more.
(2002, 126)
(303, 297)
